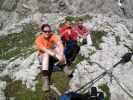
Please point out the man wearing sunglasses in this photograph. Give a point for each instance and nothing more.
(49, 45)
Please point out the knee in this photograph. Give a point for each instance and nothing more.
(45, 59)
(45, 55)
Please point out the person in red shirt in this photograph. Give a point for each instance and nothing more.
(69, 38)
(67, 32)
(81, 30)
(83, 33)
(49, 45)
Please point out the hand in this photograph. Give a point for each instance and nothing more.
(61, 59)
(52, 54)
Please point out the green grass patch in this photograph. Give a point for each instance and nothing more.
(78, 59)
(96, 37)
(106, 90)
(61, 81)
(18, 43)
(20, 92)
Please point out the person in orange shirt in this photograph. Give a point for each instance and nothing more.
(49, 45)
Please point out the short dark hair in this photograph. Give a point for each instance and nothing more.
(45, 25)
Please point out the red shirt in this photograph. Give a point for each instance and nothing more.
(67, 33)
(81, 30)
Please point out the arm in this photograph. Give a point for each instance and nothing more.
(60, 52)
(48, 51)
(60, 47)
(42, 47)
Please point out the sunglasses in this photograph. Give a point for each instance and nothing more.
(46, 31)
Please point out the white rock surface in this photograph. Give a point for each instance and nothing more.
(26, 69)
(109, 54)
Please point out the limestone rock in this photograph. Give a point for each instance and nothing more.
(9, 5)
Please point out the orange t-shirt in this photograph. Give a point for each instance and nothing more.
(42, 42)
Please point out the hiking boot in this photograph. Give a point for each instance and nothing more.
(68, 71)
(46, 86)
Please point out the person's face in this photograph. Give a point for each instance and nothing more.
(46, 32)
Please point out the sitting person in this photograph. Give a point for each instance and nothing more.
(69, 38)
(82, 31)
(49, 46)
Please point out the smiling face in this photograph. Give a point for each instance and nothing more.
(47, 32)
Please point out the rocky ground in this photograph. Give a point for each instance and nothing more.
(112, 29)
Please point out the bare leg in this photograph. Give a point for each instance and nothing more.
(45, 68)
(60, 57)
